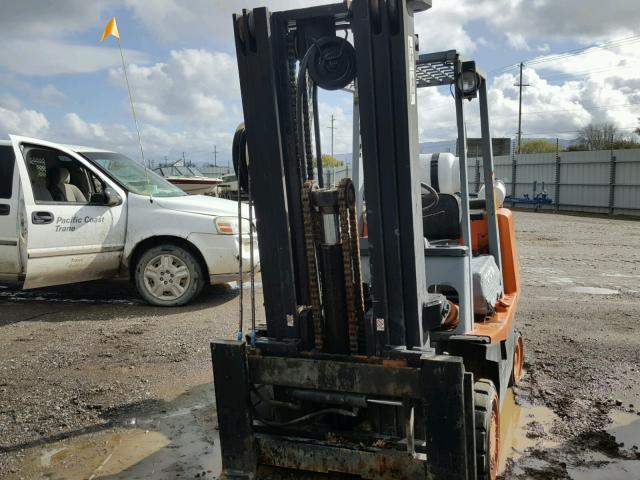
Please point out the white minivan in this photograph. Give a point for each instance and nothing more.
(71, 214)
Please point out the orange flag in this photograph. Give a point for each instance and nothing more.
(111, 29)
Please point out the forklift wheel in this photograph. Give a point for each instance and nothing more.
(518, 361)
(487, 411)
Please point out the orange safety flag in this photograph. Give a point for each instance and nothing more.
(111, 29)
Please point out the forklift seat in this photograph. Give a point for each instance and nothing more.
(442, 221)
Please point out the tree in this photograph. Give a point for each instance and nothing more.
(329, 161)
(539, 145)
(598, 136)
(637, 131)
(604, 136)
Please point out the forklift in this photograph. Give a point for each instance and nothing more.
(385, 356)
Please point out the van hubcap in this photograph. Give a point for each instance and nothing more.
(166, 277)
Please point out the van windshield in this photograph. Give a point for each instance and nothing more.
(133, 176)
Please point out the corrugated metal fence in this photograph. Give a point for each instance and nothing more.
(606, 182)
(602, 182)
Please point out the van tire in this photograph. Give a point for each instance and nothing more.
(168, 275)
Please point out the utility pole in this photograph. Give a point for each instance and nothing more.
(215, 155)
(333, 119)
(520, 84)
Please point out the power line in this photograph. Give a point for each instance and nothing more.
(572, 53)
(583, 51)
(543, 112)
(583, 73)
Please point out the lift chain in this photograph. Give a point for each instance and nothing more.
(310, 230)
(308, 151)
(351, 253)
(291, 73)
(357, 272)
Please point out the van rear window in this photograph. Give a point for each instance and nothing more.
(7, 162)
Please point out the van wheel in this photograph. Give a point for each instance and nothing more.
(487, 419)
(169, 276)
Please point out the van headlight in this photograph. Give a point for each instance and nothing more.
(229, 225)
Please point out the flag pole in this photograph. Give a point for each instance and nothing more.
(133, 109)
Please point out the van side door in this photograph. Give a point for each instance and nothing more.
(10, 264)
(75, 215)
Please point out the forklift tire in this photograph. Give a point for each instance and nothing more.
(487, 419)
(517, 371)
(168, 275)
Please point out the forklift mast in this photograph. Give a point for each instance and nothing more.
(348, 375)
(268, 48)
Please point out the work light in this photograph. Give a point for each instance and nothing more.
(468, 81)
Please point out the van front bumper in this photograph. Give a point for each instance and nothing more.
(221, 253)
(231, 277)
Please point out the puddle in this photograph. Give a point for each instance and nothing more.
(100, 455)
(47, 456)
(619, 275)
(246, 285)
(31, 296)
(625, 427)
(593, 290)
(177, 441)
(618, 470)
(522, 427)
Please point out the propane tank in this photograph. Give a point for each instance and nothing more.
(500, 190)
(441, 171)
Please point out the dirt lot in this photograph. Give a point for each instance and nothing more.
(96, 384)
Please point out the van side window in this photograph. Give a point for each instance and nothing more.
(57, 178)
(7, 163)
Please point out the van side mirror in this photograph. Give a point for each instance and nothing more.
(111, 197)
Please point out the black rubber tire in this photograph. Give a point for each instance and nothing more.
(196, 283)
(484, 396)
(240, 158)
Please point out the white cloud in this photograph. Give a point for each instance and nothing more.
(584, 20)
(35, 37)
(517, 41)
(443, 27)
(44, 57)
(193, 87)
(22, 122)
(169, 20)
(10, 102)
(38, 19)
(549, 109)
(51, 94)
(78, 128)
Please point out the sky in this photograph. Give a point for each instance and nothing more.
(59, 82)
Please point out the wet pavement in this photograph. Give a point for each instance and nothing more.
(96, 384)
(177, 439)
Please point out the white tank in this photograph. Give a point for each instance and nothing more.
(441, 171)
(500, 190)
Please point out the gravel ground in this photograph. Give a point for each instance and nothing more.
(87, 371)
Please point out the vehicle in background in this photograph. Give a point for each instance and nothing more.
(72, 214)
(189, 179)
(229, 188)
